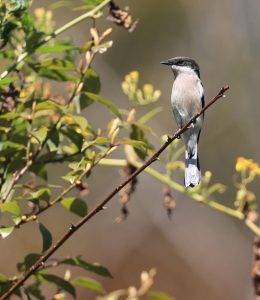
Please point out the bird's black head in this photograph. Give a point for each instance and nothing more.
(180, 64)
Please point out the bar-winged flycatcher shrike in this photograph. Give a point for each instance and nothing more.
(187, 99)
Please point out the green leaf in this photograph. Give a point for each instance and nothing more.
(35, 291)
(92, 3)
(55, 64)
(6, 231)
(90, 98)
(33, 40)
(100, 140)
(42, 194)
(81, 121)
(46, 237)
(6, 33)
(53, 141)
(60, 46)
(7, 81)
(137, 134)
(49, 105)
(10, 147)
(148, 116)
(28, 23)
(8, 54)
(74, 136)
(7, 183)
(5, 286)
(29, 260)
(136, 144)
(75, 205)
(141, 148)
(39, 135)
(60, 283)
(158, 296)
(91, 83)
(88, 283)
(11, 207)
(3, 277)
(57, 71)
(94, 267)
(9, 115)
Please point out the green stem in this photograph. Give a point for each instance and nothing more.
(176, 186)
(24, 55)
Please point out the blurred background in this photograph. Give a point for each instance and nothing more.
(199, 254)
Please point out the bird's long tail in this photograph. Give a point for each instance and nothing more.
(192, 167)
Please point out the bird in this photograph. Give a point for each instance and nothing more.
(187, 99)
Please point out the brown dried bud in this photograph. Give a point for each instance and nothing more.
(10, 97)
(126, 192)
(168, 202)
(82, 187)
(121, 17)
(29, 118)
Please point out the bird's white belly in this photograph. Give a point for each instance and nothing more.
(186, 100)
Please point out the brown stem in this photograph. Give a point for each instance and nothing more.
(73, 228)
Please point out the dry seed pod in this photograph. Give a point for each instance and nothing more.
(126, 192)
(121, 17)
(168, 202)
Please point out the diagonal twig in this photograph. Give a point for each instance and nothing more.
(74, 227)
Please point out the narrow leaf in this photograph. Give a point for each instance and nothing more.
(94, 267)
(54, 74)
(136, 144)
(88, 283)
(60, 283)
(46, 237)
(158, 296)
(62, 47)
(9, 115)
(56, 64)
(148, 116)
(97, 98)
(9, 80)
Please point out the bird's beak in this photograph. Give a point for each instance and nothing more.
(165, 62)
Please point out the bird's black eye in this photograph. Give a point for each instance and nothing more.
(181, 63)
